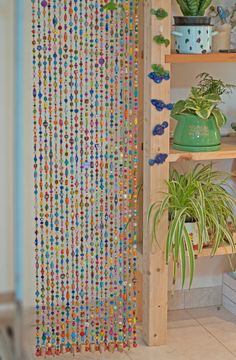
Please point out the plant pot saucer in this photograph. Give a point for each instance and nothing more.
(196, 148)
(192, 20)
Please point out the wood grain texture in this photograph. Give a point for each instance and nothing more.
(200, 58)
(155, 273)
(140, 152)
(227, 151)
(223, 250)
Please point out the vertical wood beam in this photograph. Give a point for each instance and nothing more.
(155, 275)
(140, 147)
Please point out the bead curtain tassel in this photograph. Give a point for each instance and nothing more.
(85, 103)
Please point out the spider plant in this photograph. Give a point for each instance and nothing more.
(200, 196)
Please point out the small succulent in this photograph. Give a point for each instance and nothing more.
(160, 40)
(159, 70)
(159, 13)
(159, 74)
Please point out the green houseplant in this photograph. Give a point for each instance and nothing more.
(199, 195)
(199, 117)
(193, 31)
(193, 12)
(194, 7)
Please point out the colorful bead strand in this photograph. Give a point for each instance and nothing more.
(85, 174)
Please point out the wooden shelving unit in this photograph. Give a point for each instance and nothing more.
(227, 151)
(152, 267)
(223, 250)
(213, 58)
(206, 252)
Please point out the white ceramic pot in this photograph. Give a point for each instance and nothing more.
(192, 230)
(193, 39)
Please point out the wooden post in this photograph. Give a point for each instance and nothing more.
(155, 276)
(140, 147)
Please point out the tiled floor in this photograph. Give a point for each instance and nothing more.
(198, 334)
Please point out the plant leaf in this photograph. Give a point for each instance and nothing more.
(219, 118)
(184, 7)
(183, 262)
(191, 256)
(203, 113)
(204, 4)
(179, 107)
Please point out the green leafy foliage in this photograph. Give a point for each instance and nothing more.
(112, 6)
(159, 13)
(159, 70)
(160, 40)
(203, 6)
(208, 85)
(201, 195)
(194, 7)
(204, 99)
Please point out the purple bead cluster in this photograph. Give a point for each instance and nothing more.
(158, 78)
(159, 129)
(159, 159)
(160, 105)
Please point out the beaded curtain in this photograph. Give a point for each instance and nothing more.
(85, 97)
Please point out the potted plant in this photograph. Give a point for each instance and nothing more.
(193, 31)
(200, 196)
(193, 11)
(199, 117)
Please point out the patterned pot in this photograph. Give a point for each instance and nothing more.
(193, 39)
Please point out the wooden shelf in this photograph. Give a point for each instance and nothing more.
(206, 252)
(228, 151)
(224, 250)
(200, 58)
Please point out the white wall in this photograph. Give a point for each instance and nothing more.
(29, 267)
(6, 146)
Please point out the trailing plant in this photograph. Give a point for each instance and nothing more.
(194, 7)
(161, 40)
(159, 13)
(200, 196)
(204, 100)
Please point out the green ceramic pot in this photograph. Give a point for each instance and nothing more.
(195, 134)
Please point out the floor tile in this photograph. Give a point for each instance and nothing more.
(197, 334)
(213, 314)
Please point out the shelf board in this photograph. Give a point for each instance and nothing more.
(227, 151)
(224, 250)
(200, 58)
(206, 252)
